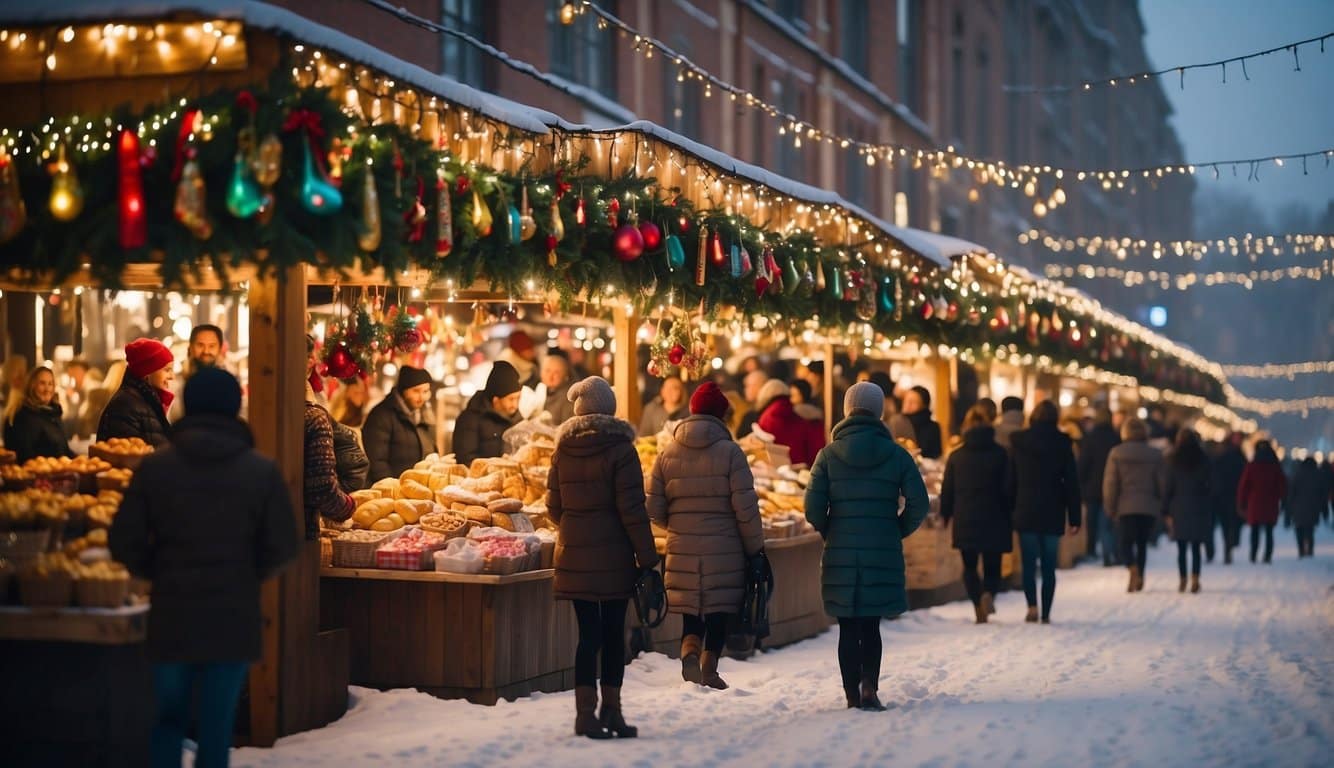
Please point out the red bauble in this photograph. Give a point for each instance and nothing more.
(408, 340)
(341, 365)
(628, 243)
(651, 234)
(676, 354)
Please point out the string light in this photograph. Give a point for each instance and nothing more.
(1268, 408)
(1183, 281)
(1122, 247)
(1140, 78)
(1278, 370)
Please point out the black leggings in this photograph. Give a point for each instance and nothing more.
(711, 629)
(1269, 541)
(1305, 540)
(991, 568)
(601, 628)
(859, 650)
(1136, 530)
(1194, 547)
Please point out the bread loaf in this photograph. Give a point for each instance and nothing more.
(412, 509)
(361, 497)
(504, 506)
(411, 489)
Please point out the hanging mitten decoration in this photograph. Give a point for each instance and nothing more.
(651, 234)
(66, 194)
(444, 217)
(702, 260)
(13, 213)
(130, 196)
(527, 224)
(368, 239)
(415, 215)
(318, 195)
(676, 253)
(481, 214)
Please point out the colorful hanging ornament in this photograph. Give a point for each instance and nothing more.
(527, 224)
(580, 215)
(318, 195)
(444, 217)
(941, 308)
(867, 296)
(266, 166)
(244, 197)
(886, 294)
(676, 354)
(403, 329)
(852, 282)
(66, 195)
(1001, 320)
(952, 312)
(415, 216)
(651, 234)
(13, 213)
(557, 223)
(627, 243)
(676, 253)
(513, 224)
(764, 276)
(551, 250)
(130, 196)
(702, 260)
(613, 212)
(368, 239)
(716, 250)
(819, 275)
(734, 261)
(927, 309)
(836, 282)
(341, 364)
(791, 279)
(481, 214)
(653, 369)
(747, 264)
(189, 208)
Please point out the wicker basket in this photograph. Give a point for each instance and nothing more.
(49, 591)
(503, 566)
(326, 552)
(449, 526)
(58, 482)
(358, 554)
(101, 593)
(22, 547)
(547, 555)
(105, 483)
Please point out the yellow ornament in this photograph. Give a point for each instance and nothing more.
(369, 238)
(481, 214)
(189, 208)
(66, 194)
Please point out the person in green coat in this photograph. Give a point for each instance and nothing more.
(853, 501)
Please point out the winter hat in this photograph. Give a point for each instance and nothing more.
(145, 356)
(865, 396)
(592, 395)
(503, 381)
(409, 377)
(772, 388)
(212, 390)
(709, 400)
(520, 342)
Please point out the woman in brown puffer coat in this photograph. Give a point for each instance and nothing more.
(703, 493)
(595, 495)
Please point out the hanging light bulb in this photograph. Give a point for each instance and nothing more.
(66, 194)
(567, 14)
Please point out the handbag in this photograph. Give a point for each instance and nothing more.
(754, 616)
(650, 598)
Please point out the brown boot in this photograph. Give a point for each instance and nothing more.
(1134, 579)
(1139, 580)
(585, 718)
(690, 648)
(985, 607)
(1032, 616)
(708, 671)
(1194, 584)
(979, 613)
(1181, 586)
(611, 718)
(870, 701)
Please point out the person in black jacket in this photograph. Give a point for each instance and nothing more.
(917, 407)
(1188, 503)
(975, 497)
(207, 520)
(1227, 476)
(400, 431)
(478, 433)
(1097, 443)
(35, 428)
(1045, 486)
(139, 407)
(1308, 503)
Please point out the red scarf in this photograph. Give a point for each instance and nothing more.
(166, 396)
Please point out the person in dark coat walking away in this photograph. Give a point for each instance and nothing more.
(1098, 442)
(35, 429)
(480, 429)
(139, 407)
(1227, 476)
(778, 418)
(1187, 503)
(1011, 420)
(555, 373)
(852, 501)
(701, 490)
(975, 498)
(595, 496)
(1308, 503)
(207, 520)
(1259, 494)
(917, 407)
(1044, 483)
(400, 431)
(1132, 490)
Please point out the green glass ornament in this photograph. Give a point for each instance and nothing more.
(676, 254)
(887, 294)
(317, 195)
(836, 283)
(244, 197)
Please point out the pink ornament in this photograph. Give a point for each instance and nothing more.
(628, 243)
(651, 234)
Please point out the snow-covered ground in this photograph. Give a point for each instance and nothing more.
(1241, 674)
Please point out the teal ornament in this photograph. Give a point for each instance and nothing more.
(887, 293)
(244, 197)
(791, 277)
(676, 254)
(515, 223)
(317, 195)
(735, 260)
(836, 283)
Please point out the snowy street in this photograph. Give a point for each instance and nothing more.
(1241, 674)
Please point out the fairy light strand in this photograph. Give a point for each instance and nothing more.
(1249, 245)
(1279, 370)
(1183, 281)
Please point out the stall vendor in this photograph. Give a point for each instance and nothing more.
(400, 431)
(479, 429)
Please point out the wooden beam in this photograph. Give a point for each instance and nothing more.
(625, 365)
(944, 403)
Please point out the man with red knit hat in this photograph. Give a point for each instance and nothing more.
(139, 407)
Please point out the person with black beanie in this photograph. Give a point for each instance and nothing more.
(400, 431)
(917, 407)
(479, 431)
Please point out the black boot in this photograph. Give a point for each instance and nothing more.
(869, 700)
(854, 696)
(611, 718)
(586, 720)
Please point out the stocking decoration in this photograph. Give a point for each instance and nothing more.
(130, 202)
(444, 217)
(763, 276)
(13, 214)
(415, 216)
(368, 239)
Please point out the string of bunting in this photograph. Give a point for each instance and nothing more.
(1183, 281)
(1140, 78)
(1249, 245)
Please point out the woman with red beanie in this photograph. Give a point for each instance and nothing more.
(139, 407)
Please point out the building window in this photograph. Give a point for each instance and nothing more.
(908, 26)
(683, 99)
(958, 83)
(982, 120)
(580, 52)
(788, 101)
(789, 10)
(855, 171)
(463, 61)
(853, 22)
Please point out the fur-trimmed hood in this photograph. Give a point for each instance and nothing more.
(595, 425)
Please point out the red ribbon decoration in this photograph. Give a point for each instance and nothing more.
(183, 142)
(246, 100)
(561, 186)
(310, 122)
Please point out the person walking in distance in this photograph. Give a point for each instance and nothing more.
(702, 491)
(852, 501)
(595, 496)
(1227, 476)
(1261, 490)
(1045, 485)
(1187, 503)
(1093, 451)
(1132, 490)
(975, 499)
(1308, 503)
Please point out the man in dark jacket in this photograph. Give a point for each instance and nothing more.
(480, 429)
(1097, 443)
(207, 520)
(139, 407)
(1045, 488)
(400, 431)
(1227, 471)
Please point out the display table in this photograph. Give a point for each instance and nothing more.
(477, 637)
(78, 687)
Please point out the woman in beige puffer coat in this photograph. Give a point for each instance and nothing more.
(703, 493)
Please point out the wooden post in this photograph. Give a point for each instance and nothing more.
(944, 403)
(828, 395)
(625, 365)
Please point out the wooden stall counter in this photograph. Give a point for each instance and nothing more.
(479, 637)
(78, 687)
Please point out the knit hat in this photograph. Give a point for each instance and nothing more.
(503, 381)
(145, 356)
(409, 377)
(771, 389)
(592, 395)
(865, 396)
(212, 390)
(520, 341)
(709, 400)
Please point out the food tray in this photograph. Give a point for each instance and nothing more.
(358, 554)
(447, 525)
(50, 591)
(118, 460)
(101, 593)
(503, 566)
